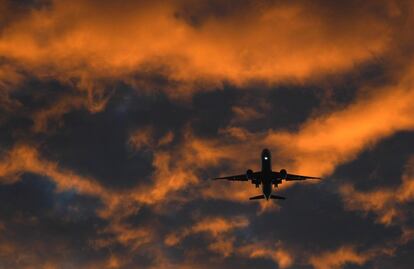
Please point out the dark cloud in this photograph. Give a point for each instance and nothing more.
(380, 166)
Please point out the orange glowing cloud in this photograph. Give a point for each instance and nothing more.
(382, 201)
(215, 226)
(245, 113)
(83, 41)
(324, 142)
(317, 148)
(23, 158)
(348, 254)
(43, 118)
(281, 256)
(223, 245)
(141, 138)
(89, 47)
(179, 167)
(321, 143)
(117, 205)
(338, 258)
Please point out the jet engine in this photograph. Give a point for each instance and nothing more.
(249, 174)
(283, 174)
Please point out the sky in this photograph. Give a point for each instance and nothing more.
(115, 115)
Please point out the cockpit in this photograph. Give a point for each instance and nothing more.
(266, 154)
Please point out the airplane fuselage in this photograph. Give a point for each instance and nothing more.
(266, 173)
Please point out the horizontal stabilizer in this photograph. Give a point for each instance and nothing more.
(277, 197)
(257, 197)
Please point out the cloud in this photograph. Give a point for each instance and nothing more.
(141, 138)
(48, 116)
(318, 146)
(282, 41)
(29, 254)
(326, 141)
(385, 202)
(338, 258)
(348, 254)
(24, 158)
(117, 206)
(245, 113)
(119, 232)
(281, 256)
(223, 245)
(43, 118)
(191, 47)
(215, 226)
(220, 230)
(180, 166)
(182, 47)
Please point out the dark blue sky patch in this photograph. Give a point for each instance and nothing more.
(314, 219)
(379, 166)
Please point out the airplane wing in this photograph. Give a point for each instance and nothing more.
(242, 177)
(292, 177)
(234, 178)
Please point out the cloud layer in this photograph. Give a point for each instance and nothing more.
(113, 116)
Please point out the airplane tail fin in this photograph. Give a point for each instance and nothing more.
(257, 197)
(277, 197)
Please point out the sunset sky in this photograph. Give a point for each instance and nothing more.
(115, 115)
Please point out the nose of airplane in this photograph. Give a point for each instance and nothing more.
(266, 153)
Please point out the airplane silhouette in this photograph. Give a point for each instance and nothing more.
(266, 177)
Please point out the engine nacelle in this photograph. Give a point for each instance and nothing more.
(283, 174)
(249, 174)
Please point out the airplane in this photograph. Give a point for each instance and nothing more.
(266, 177)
